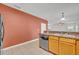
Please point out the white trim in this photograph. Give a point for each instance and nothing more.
(19, 44)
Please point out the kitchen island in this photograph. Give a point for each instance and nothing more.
(63, 43)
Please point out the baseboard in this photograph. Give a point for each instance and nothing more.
(19, 44)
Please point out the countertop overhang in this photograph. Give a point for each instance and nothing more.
(62, 35)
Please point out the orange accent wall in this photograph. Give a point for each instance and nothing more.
(19, 27)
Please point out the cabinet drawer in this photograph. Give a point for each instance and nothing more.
(53, 37)
(68, 40)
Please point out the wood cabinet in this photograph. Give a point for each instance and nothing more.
(66, 48)
(77, 47)
(62, 45)
(69, 40)
(53, 44)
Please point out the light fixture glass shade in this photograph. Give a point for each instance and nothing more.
(62, 18)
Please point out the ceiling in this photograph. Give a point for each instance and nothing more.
(50, 11)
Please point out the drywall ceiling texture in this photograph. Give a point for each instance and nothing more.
(51, 11)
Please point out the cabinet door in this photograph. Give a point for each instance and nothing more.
(66, 48)
(77, 48)
(53, 46)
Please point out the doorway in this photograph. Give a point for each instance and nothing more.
(43, 27)
(1, 32)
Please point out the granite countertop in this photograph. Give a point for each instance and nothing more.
(62, 35)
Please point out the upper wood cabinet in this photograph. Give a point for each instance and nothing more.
(53, 44)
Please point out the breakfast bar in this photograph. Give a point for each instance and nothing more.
(63, 43)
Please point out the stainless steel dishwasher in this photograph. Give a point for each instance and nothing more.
(43, 41)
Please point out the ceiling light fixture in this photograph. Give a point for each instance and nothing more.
(62, 18)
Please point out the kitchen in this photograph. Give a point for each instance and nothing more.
(55, 25)
(62, 36)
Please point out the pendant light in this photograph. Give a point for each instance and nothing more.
(61, 22)
(62, 16)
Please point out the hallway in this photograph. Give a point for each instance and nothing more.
(31, 48)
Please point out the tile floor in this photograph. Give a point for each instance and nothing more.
(26, 49)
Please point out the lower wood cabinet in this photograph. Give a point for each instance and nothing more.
(62, 46)
(53, 44)
(66, 48)
(77, 47)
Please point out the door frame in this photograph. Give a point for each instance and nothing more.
(2, 31)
